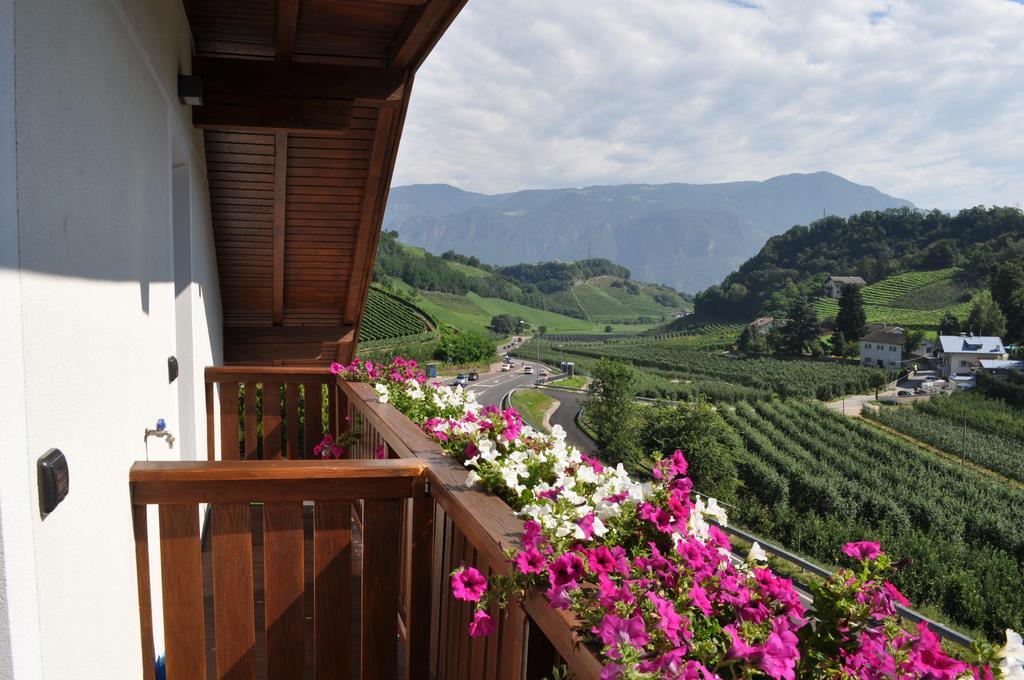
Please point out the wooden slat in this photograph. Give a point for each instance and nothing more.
(233, 611)
(274, 480)
(280, 210)
(250, 431)
(229, 440)
(292, 415)
(271, 420)
(418, 584)
(287, 19)
(283, 574)
(312, 401)
(139, 526)
(332, 589)
(182, 584)
(211, 429)
(381, 573)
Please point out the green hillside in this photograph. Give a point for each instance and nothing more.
(389, 320)
(912, 300)
(473, 312)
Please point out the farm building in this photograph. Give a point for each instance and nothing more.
(962, 354)
(883, 347)
(833, 286)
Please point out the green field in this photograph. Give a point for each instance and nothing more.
(915, 300)
(472, 312)
(390, 320)
(532, 405)
(817, 479)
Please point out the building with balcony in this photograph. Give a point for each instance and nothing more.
(962, 354)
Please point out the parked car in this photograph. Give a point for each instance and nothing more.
(921, 391)
(474, 376)
(904, 393)
(528, 369)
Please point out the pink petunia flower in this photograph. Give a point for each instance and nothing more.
(863, 550)
(482, 624)
(614, 631)
(530, 561)
(380, 453)
(468, 584)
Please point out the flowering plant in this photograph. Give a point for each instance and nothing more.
(648, 573)
(334, 447)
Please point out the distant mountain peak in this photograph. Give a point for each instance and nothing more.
(685, 235)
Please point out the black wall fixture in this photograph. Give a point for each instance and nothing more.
(54, 481)
(172, 369)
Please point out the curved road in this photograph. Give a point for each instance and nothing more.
(565, 415)
(494, 385)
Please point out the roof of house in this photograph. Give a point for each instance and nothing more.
(1002, 364)
(887, 336)
(763, 321)
(971, 344)
(848, 279)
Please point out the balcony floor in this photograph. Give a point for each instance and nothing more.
(257, 564)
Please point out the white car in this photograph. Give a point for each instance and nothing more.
(528, 369)
(505, 367)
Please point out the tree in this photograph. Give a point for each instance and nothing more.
(838, 342)
(801, 327)
(711, 447)
(504, 324)
(986, 318)
(949, 325)
(464, 348)
(608, 328)
(745, 341)
(914, 340)
(612, 412)
(1007, 287)
(851, 318)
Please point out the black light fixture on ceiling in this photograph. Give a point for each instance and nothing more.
(190, 90)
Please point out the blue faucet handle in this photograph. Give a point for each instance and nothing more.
(160, 425)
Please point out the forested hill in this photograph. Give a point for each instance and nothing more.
(871, 245)
(685, 235)
(550, 286)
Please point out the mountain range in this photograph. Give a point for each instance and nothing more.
(688, 236)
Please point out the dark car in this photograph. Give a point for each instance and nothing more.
(474, 376)
(904, 393)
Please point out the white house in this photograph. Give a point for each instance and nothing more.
(883, 348)
(834, 285)
(761, 326)
(131, 231)
(962, 354)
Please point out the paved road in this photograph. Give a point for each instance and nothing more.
(494, 385)
(565, 415)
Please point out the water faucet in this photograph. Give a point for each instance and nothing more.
(160, 431)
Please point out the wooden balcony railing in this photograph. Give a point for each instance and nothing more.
(415, 507)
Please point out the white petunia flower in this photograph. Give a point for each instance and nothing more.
(472, 478)
(716, 512)
(382, 392)
(756, 553)
(1011, 656)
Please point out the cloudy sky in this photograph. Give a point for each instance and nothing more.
(923, 99)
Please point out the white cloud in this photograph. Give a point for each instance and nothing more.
(923, 99)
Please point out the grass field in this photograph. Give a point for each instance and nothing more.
(576, 382)
(532, 405)
(912, 300)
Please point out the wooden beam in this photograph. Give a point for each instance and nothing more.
(378, 182)
(287, 80)
(287, 21)
(421, 31)
(280, 193)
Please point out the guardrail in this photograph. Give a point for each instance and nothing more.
(941, 629)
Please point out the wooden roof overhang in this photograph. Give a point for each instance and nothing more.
(304, 102)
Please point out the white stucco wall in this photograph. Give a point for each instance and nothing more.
(88, 301)
(890, 355)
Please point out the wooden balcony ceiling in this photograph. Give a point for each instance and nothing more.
(304, 104)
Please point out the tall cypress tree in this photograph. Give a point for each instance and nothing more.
(851, 319)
